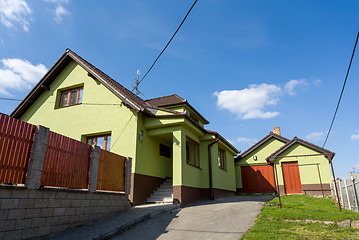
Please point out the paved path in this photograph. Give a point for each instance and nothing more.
(108, 226)
(226, 218)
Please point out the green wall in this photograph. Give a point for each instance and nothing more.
(262, 152)
(125, 125)
(80, 120)
(308, 174)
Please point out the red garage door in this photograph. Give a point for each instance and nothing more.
(257, 179)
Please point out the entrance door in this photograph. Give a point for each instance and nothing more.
(257, 179)
(291, 177)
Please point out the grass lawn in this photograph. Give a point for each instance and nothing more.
(276, 223)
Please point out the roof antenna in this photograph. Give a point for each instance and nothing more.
(137, 82)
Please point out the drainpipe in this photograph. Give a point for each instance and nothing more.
(211, 192)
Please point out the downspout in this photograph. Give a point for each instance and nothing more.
(211, 192)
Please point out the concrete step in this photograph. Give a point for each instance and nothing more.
(162, 195)
(160, 200)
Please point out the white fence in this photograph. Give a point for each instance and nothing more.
(348, 191)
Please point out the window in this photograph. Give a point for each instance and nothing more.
(165, 151)
(104, 141)
(192, 152)
(221, 158)
(71, 97)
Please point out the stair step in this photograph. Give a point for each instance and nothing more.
(157, 194)
(163, 194)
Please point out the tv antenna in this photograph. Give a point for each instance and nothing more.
(137, 82)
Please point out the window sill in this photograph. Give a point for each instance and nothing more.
(69, 106)
(223, 169)
(194, 166)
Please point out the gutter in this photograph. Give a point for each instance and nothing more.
(211, 192)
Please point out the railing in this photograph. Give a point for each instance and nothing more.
(66, 163)
(16, 139)
(111, 172)
(348, 191)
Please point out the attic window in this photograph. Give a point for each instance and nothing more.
(71, 97)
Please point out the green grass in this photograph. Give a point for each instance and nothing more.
(273, 222)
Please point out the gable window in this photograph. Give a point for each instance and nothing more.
(192, 152)
(165, 151)
(104, 141)
(71, 97)
(221, 158)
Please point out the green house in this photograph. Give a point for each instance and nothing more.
(165, 136)
(291, 166)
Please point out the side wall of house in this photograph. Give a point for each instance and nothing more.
(309, 176)
(262, 152)
(93, 117)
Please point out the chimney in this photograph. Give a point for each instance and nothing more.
(276, 130)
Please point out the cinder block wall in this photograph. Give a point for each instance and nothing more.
(35, 213)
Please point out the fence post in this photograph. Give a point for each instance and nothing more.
(355, 193)
(346, 189)
(341, 194)
(128, 168)
(94, 162)
(37, 156)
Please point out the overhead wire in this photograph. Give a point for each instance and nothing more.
(84, 103)
(341, 94)
(168, 43)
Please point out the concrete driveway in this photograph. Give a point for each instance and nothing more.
(226, 218)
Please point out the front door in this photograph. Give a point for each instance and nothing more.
(291, 178)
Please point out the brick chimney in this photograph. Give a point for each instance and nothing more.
(276, 130)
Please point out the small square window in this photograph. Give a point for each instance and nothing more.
(165, 151)
(103, 141)
(71, 97)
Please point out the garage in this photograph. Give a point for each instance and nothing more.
(257, 179)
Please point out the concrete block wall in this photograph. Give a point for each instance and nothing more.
(30, 213)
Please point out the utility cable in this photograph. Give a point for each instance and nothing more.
(184, 19)
(341, 94)
(95, 104)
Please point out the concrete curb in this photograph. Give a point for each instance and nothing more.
(118, 229)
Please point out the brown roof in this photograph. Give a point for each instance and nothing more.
(302, 142)
(169, 100)
(127, 96)
(224, 140)
(260, 142)
(172, 100)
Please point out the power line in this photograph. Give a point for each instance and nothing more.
(341, 94)
(184, 19)
(94, 104)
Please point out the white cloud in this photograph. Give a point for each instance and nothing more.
(355, 137)
(315, 136)
(60, 11)
(247, 140)
(19, 74)
(293, 84)
(15, 12)
(317, 82)
(250, 102)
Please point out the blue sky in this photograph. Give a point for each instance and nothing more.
(247, 66)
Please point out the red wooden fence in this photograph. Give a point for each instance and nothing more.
(15, 146)
(111, 172)
(66, 163)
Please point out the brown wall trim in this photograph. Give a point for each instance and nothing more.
(142, 186)
(310, 189)
(186, 195)
(220, 193)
